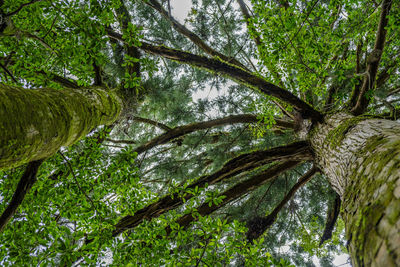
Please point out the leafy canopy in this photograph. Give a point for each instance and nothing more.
(93, 202)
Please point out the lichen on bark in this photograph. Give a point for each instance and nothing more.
(361, 158)
(35, 123)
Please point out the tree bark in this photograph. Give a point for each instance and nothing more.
(35, 123)
(361, 158)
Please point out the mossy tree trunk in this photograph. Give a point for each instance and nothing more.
(35, 123)
(361, 158)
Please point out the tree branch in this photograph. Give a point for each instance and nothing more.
(186, 129)
(247, 17)
(59, 79)
(155, 123)
(128, 142)
(238, 190)
(384, 75)
(98, 80)
(8, 72)
(52, 76)
(124, 18)
(295, 152)
(373, 61)
(191, 35)
(231, 71)
(259, 225)
(20, 8)
(331, 218)
(330, 98)
(24, 186)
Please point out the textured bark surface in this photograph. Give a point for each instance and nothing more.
(35, 123)
(361, 157)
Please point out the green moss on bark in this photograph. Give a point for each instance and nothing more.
(35, 123)
(336, 136)
(372, 205)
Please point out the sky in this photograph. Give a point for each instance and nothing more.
(179, 10)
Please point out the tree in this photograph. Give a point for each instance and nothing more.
(321, 97)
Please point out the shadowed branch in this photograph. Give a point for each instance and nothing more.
(259, 225)
(231, 71)
(331, 218)
(295, 152)
(191, 35)
(239, 190)
(373, 61)
(24, 186)
(174, 133)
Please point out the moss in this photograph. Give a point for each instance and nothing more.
(336, 136)
(369, 199)
(35, 123)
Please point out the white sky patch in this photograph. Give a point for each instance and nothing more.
(342, 261)
(180, 9)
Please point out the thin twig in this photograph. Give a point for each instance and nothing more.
(77, 182)
(20, 8)
(8, 72)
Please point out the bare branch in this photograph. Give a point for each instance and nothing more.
(373, 60)
(128, 142)
(231, 71)
(186, 129)
(155, 123)
(98, 80)
(24, 186)
(295, 152)
(192, 36)
(259, 225)
(124, 18)
(331, 218)
(239, 190)
(59, 79)
(395, 91)
(247, 17)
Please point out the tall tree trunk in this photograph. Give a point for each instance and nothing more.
(361, 157)
(35, 123)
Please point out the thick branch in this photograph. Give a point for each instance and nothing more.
(186, 129)
(331, 218)
(124, 18)
(231, 71)
(155, 123)
(65, 82)
(191, 35)
(59, 79)
(98, 80)
(373, 61)
(330, 98)
(259, 225)
(239, 190)
(295, 152)
(24, 185)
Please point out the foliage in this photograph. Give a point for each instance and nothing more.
(310, 48)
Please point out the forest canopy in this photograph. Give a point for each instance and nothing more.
(251, 133)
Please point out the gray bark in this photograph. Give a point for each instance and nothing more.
(361, 158)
